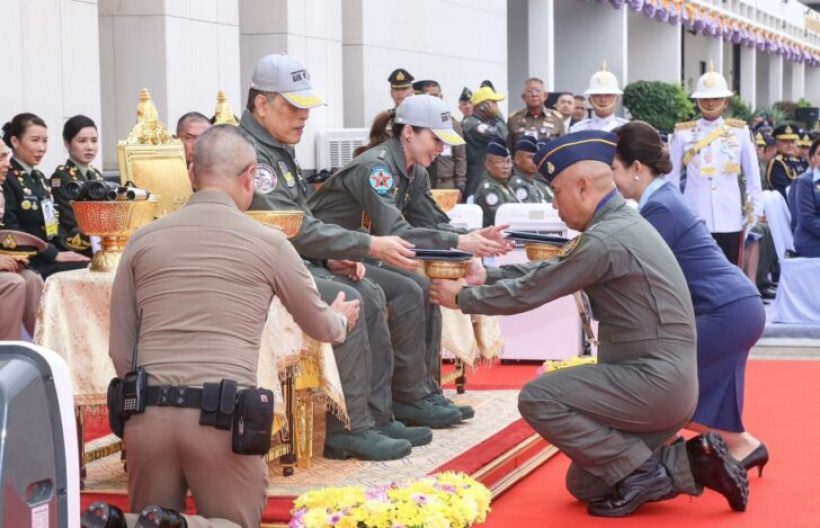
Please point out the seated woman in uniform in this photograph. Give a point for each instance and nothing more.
(722, 296)
(82, 142)
(805, 209)
(29, 205)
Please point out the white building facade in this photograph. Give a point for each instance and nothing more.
(67, 57)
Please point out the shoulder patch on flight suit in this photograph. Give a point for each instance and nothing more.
(685, 125)
(287, 174)
(491, 198)
(380, 179)
(265, 178)
(482, 128)
(521, 193)
(567, 248)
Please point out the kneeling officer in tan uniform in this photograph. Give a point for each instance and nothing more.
(614, 418)
(201, 282)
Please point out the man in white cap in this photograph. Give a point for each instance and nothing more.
(279, 103)
(713, 160)
(604, 95)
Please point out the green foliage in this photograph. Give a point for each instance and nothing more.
(787, 108)
(739, 109)
(658, 103)
(803, 103)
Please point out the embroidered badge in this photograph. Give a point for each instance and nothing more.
(265, 178)
(491, 198)
(521, 193)
(482, 128)
(287, 174)
(381, 179)
(567, 248)
(26, 205)
(550, 168)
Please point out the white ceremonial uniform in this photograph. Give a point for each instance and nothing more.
(607, 124)
(712, 187)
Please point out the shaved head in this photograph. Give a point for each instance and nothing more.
(578, 189)
(225, 159)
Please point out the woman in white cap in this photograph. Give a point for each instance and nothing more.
(604, 95)
(383, 187)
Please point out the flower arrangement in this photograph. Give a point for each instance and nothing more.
(551, 365)
(443, 500)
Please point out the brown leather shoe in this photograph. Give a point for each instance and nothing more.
(713, 467)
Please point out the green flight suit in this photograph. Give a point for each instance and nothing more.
(492, 194)
(375, 190)
(608, 418)
(280, 186)
(477, 134)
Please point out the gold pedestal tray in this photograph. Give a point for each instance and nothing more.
(446, 269)
(113, 222)
(288, 221)
(536, 251)
(446, 198)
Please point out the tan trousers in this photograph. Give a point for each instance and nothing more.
(19, 299)
(168, 453)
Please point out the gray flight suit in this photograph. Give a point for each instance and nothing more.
(544, 187)
(525, 189)
(609, 418)
(374, 192)
(477, 134)
(280, 186)
(491, 195)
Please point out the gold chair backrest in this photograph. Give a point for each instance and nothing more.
(223, 113)
(152, 159)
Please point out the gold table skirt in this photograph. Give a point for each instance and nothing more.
(73, 321)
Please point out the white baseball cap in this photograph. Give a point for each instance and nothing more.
(286, 76)
(430, 112)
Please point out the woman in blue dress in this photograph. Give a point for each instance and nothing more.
(728, 310)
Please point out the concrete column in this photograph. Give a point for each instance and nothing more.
(49, 65)
(541, 43)
(455, 43)
(793, 81)
(654, 49)
(586, 34)
(748, 72)
(775, 78)
(184, 52)
(812, 86)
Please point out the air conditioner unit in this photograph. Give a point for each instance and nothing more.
(335, 146)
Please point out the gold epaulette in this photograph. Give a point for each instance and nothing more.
(517, 112)
(686, 125)
(737, 123)
(556, 113)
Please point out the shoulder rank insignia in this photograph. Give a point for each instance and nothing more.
(265, 178)
(737, 123)
(380, 179)
(567, 248)
(287, 174)
(685, 125)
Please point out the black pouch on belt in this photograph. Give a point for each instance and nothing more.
(252, 422)
(218, 404)
(116, 421)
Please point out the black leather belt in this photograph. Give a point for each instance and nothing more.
(175, 396)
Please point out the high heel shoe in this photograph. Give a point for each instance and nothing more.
(759, 457)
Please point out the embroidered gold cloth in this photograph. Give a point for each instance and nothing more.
(73, 320)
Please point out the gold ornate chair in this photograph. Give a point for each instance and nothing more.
(223, 113)
(152, 159)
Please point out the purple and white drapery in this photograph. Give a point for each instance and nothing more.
(710, 23)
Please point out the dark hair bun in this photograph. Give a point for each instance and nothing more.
(663, 165)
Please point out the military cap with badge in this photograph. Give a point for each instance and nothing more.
(20, 245)
(400, 78)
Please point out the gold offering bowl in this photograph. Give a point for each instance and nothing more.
(288, 221)
(536, 251)
(446, 198)
(113, 222)
(446, 269)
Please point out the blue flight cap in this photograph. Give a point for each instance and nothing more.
(496, 147)
(527, 144)
(560, 153)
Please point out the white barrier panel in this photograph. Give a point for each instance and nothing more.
(552, 331)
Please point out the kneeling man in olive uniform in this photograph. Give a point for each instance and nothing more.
(613, 419)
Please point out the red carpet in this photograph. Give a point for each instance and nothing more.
(781, 409)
